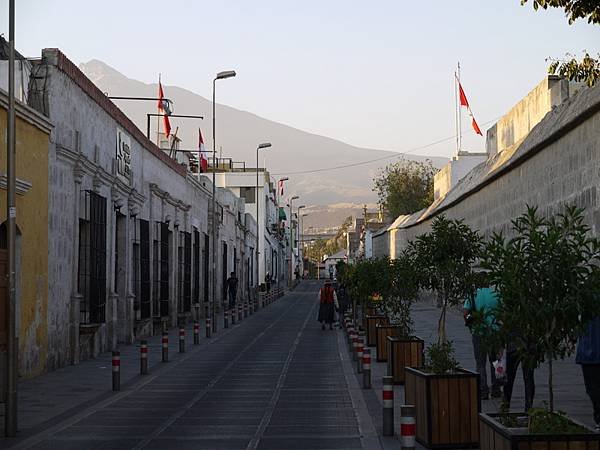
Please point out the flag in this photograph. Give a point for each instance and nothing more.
(462, 99)
(203, 154)
(164, 109)
(280, 187)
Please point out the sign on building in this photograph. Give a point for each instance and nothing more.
(123, 156)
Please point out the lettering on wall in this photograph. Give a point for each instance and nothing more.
(123, 156)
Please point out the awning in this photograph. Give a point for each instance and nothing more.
(282, 215)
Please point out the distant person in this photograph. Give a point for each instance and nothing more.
(342, 297)
(232, 285)
(478, 314)
(588, 356)
(268, 281)
(327, 305)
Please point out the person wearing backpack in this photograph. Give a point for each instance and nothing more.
(328, 303)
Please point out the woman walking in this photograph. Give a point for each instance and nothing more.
(327, 304)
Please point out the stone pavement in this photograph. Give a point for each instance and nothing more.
(275, 381)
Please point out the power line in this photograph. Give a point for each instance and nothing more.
(399, 155)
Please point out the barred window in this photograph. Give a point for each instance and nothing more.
(91, 270)
(160, 250)
(144, 269)
(205, 264)
(196, 265)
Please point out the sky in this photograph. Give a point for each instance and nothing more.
(373, 74)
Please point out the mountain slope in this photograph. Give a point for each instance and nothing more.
(240, 131)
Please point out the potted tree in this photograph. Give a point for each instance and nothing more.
(445, 396)
(546, 276)
(402, 348)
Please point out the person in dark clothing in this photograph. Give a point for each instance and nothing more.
(588, 356)
(512, 364)
(327, 305)
(268, 281)
(232, 284)
(342, 298)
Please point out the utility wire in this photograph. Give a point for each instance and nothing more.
(399, 155)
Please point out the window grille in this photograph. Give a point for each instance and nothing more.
(187, 272)
(135, 261)
(206, 253)
(225, 272)
(196, 257)
(92, 259)
(144, 269)
(164, 269)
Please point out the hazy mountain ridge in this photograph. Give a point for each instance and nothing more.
(239, 132)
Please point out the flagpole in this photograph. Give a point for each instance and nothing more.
(158, 121)
(459, 115)
(456, 112)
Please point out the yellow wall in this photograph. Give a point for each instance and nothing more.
(32, 220)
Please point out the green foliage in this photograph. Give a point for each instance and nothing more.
(543, 421)
(574, 9)
(403, 293)
(316, 250)
(546, 277)
(586, 71)
(443, 261)
(405, 186)
(439, 359)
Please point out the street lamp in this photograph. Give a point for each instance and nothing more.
(220, 76)
(291, 242)
(258, 233)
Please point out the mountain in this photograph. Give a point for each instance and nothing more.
(296, 150)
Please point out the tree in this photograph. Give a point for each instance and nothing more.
(403, 292)
(588, 69)
(546, 277)
(405, 186)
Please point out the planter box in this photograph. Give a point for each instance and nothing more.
(368, 310)
(446, 408)
(402, 353)
(381, 334)
(372, 322)
(495, 436)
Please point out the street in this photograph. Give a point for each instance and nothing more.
(275, 381)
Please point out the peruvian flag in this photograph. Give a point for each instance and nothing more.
(464, 102)
(164, 109)
(203, 153)
(280, 187)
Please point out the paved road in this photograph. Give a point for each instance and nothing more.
(276, 381)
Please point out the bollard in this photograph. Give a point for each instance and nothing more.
(196, 333)
(143, 357)
(245, 309)
(165, 346)
(208, 327)
(250, 307)
(116, 371)
(388, 406)
(181, 339)
(240, 312)
(407, 427)
(366, 368)
(359, 354)
(226, 318)
(350, 336)
(232, 315)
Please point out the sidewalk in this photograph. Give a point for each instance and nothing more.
(569, 390)
(45, 400)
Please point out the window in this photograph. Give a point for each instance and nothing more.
(196, 263)
(205, 263)
(225, 273)
(160, 249)
(248, 194)
(91, 270)
(184, 273)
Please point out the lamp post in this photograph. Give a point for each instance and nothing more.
(220, 76)
(258, 233)
(299, 232)
(291, 265)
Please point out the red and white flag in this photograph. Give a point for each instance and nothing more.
(464, 102)
(203, 153)
(164, 109)
(280, 187)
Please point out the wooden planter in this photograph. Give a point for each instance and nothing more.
(372, 322)
(402, 353)
(369, 310)
(446, 408)
(495, 436)
(381, 334)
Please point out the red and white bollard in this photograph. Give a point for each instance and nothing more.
(408, 428)
(240, 312)
(226, 318)
(388, 406)
(181, 339)
(143, 357)
(354, 346)
(196, 333)
(116, 371)
(359, 354)
(366, 368)
(245, 309)
(165, 346)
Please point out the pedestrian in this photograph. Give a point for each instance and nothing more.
(268, 281)
(479, 318)
(513, 359)
(588, 356)
(232, 285)
(342, 297)
(327, 305)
